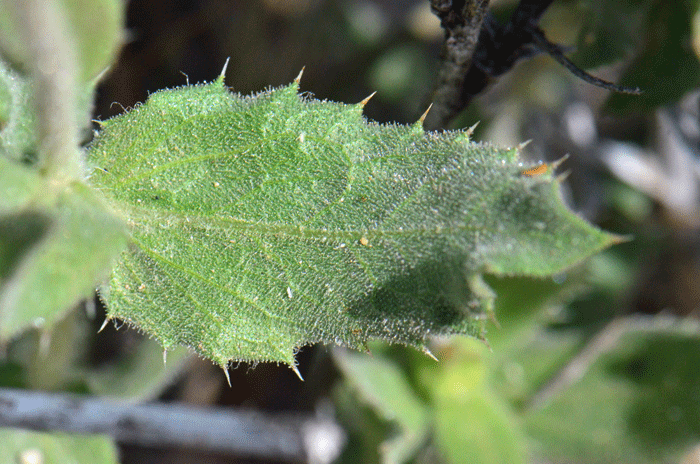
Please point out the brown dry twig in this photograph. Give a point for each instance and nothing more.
(461, 21)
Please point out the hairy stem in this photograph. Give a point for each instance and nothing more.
(53, 64)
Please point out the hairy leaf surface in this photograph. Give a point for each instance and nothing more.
(263, 223)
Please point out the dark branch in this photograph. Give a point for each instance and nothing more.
(461, 20)
(243, 433)
(499, 48)
(556, 52)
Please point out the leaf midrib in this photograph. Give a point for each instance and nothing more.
(259, 228)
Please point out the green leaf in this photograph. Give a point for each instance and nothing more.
(260, 224)
(383, 386)
(668, 66)
(19, 186)
(526, 350)
(636, 404)
(471, 423)
(17, 119)
(55, 448)
(54, 249)
(611, 31)
(51, 357)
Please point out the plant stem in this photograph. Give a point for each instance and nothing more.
(462, 24)
(53, 63)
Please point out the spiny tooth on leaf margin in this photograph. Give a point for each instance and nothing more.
(468, 133)
(557, 163)
(421, 120)
(428, 353)
(483, 292)
(44, 342)
(562, 177)
(222, 76)
(367, 99)
(104, 324)
(298, 78)
(522, 145)
(417, 127)
(228, 378)
(296, 371)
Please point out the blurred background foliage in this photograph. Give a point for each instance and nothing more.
(598, 365)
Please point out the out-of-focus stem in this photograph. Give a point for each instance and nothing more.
(53, 64)
(279, 437)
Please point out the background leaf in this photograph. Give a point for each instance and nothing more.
(17, 118)
(610, 31)
(471, 423)
(636, 404)
(668, 65)
(382, 385)
(57, 238)
(55, 448)
(53, 253)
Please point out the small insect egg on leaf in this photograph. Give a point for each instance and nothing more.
(364, 241)
(536, 171)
